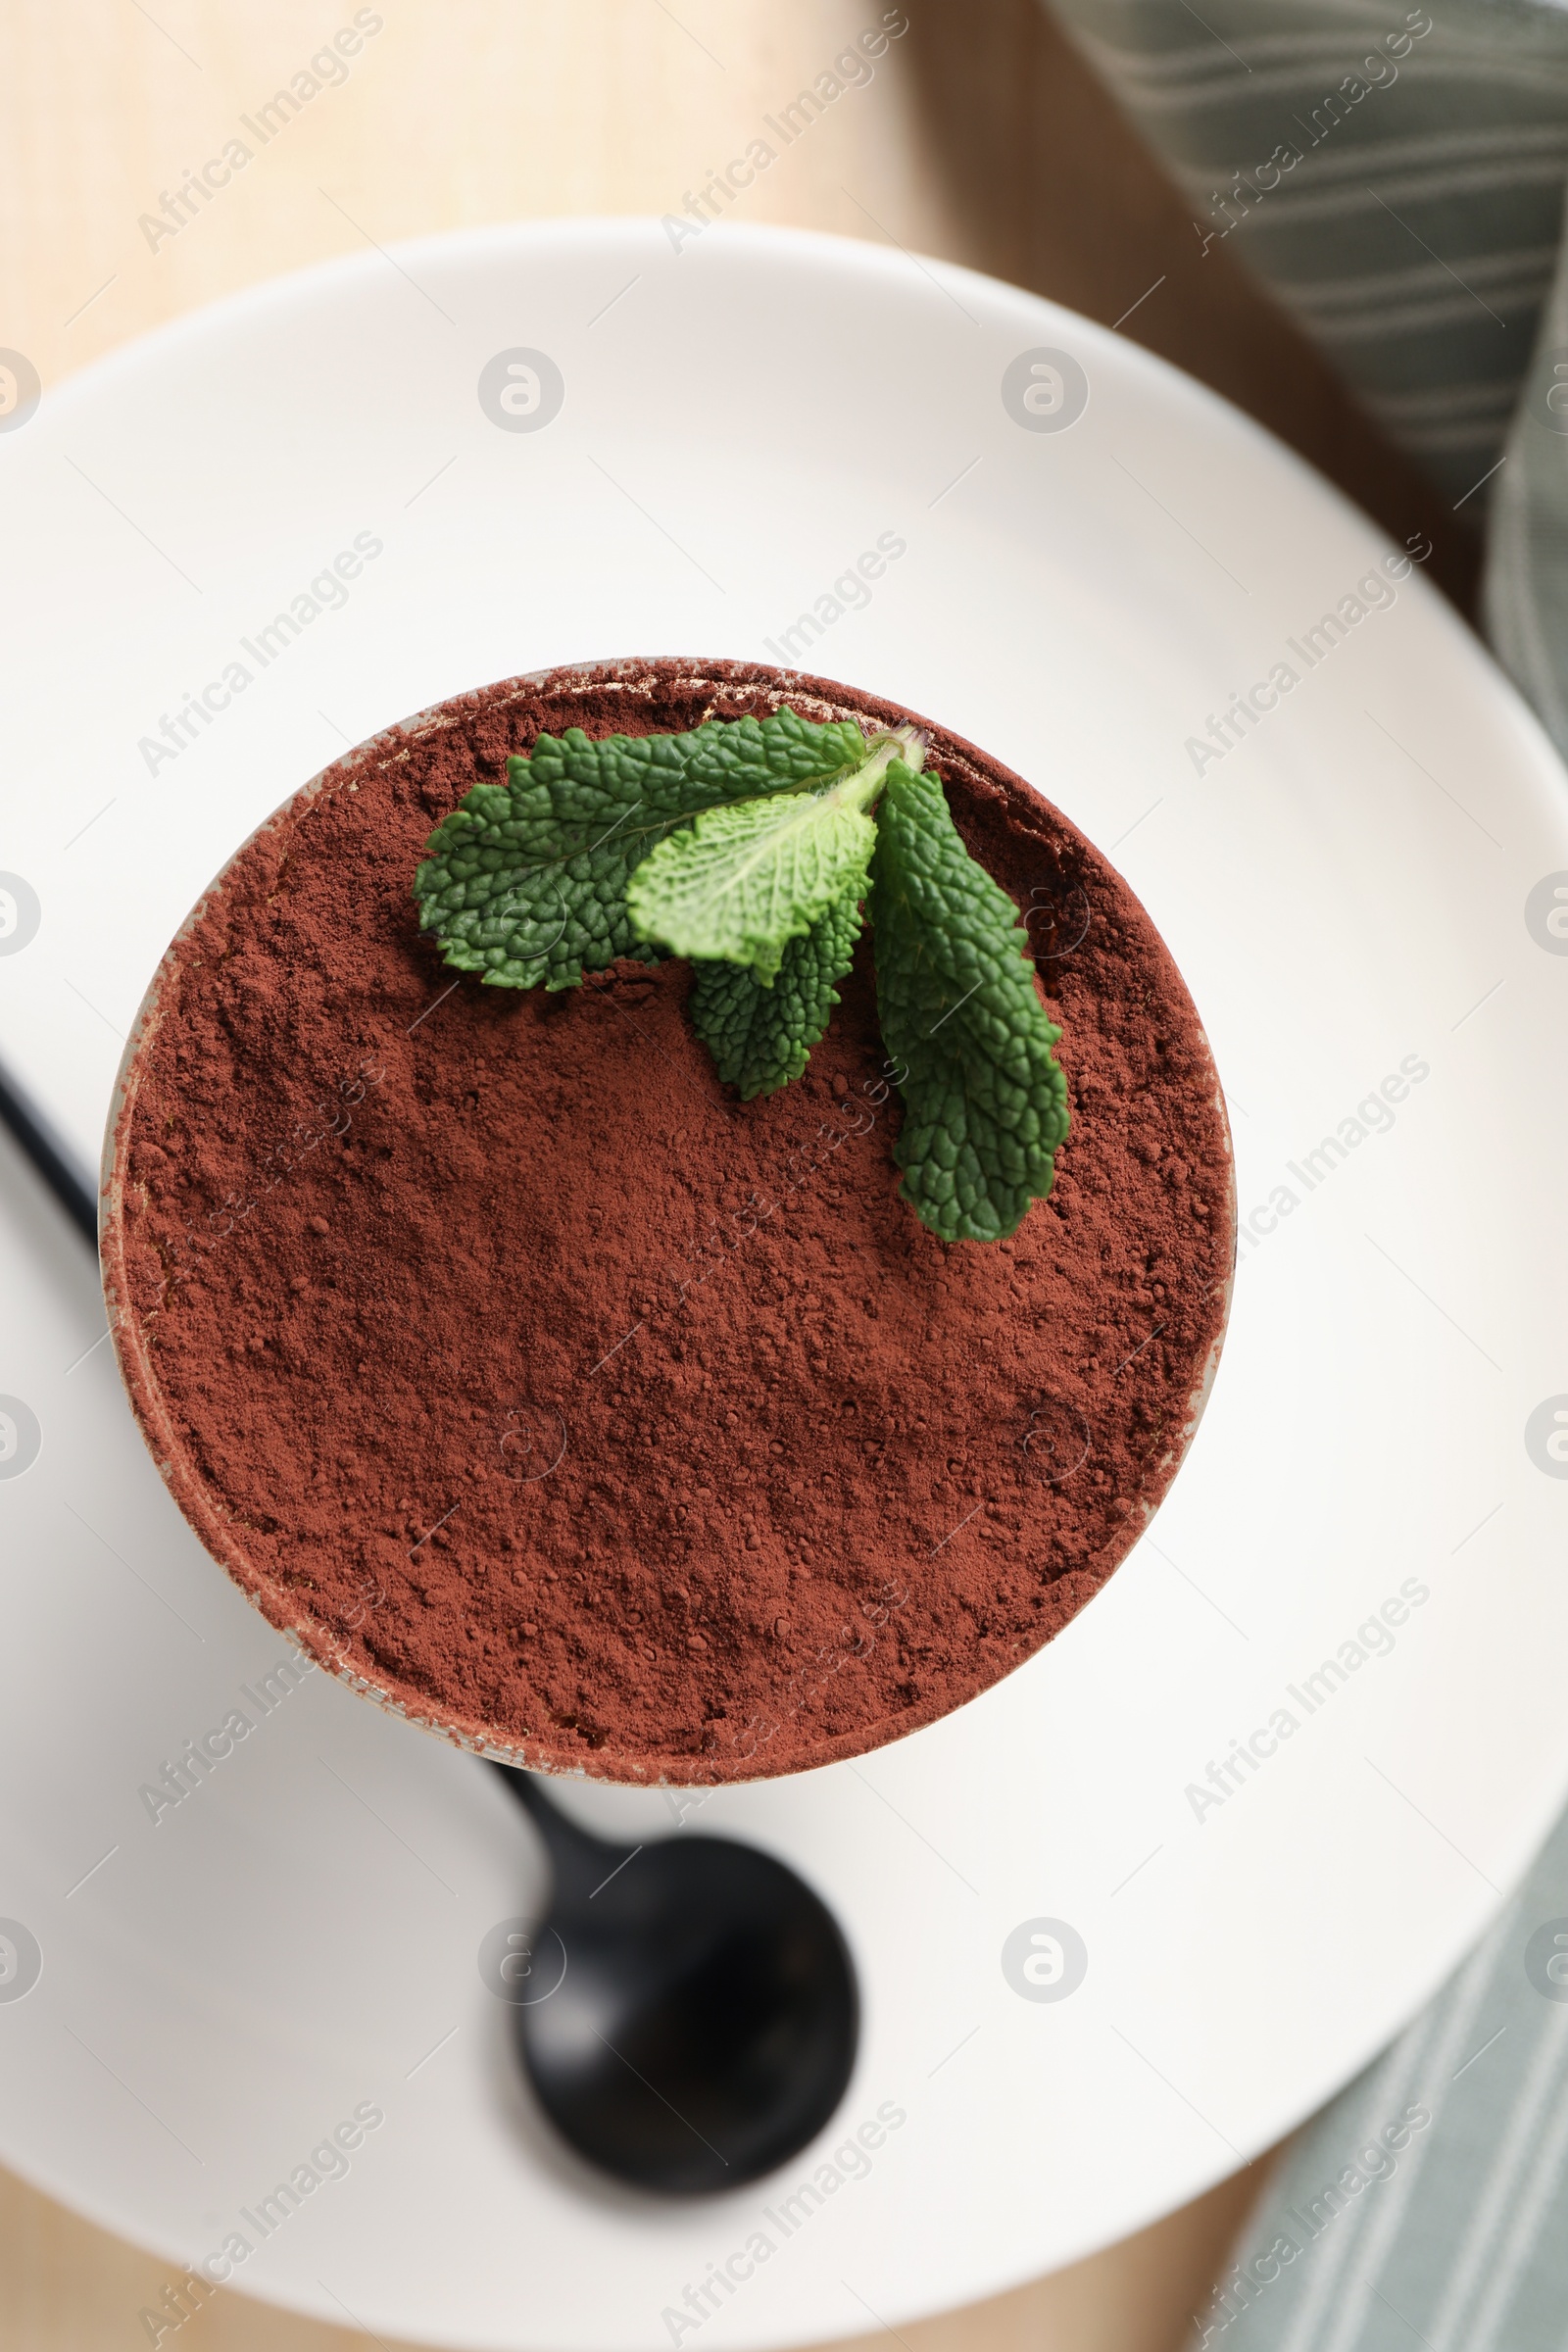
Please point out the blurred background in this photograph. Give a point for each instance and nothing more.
(981, 138)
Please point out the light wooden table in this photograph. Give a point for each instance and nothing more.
(980, 138)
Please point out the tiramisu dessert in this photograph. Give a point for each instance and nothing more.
(670, 1220)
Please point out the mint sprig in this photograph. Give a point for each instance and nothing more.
(985, 1102)
(743, 881)
(750, 846)
(525, 882)
(760, 1038)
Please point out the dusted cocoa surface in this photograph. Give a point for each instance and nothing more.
(584, 1412)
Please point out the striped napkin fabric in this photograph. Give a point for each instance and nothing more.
(1396, 176)
(1429, 2205)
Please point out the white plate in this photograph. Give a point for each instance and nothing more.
(1346, 892)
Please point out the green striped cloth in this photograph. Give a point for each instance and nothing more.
(1396, 175)
(1429, 2205)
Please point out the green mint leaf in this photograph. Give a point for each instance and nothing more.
(760, 1038)
(525, 882)
(985, 1103)
(741, 882)
(744, 880)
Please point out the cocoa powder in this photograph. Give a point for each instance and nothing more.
(583, 1412)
